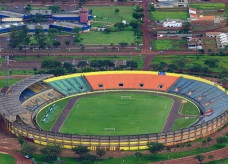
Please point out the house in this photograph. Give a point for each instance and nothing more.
(194, 43)
(222, 40)
(171, 3)
(212, 34)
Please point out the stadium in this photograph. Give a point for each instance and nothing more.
(114, 110)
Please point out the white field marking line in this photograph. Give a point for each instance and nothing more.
(163, 116)
(137, 129)
(68, 116)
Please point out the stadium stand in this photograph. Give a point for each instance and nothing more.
(212, 100)
(71, 86)
(131, 81)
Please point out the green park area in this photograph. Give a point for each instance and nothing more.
(108, 14)
(163, 15)
(168, 44)
(208, 6)
(7, 159)
(101, 38)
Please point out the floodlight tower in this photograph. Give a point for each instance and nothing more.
(7, 71)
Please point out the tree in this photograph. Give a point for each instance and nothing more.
(35, 69)
(100, 153)
(28, 149)
(69, 67)
(137, 15)
(138, 155)
(200, 157)
(54, 8)
(49, 64)
(56, 43)
(135, 24)
(52, 151)
(132, 64)
(120, 26)
(80, 150)
(28, 8)
(77, 30)
(155, 147)
(212, 62)
(40, 37)
(221, 140)
(88, 157)
(21, 140)
(186, 27)
(117, 11)
(67, 42)
(82, 64)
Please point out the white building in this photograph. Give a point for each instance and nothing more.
(172, 24)
(222, 40)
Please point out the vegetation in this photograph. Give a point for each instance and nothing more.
(51, 151)
(28, 149)
(167, 44)
(11, 81)
(163, 15)
(189, 109)
(100, 38)
(208, 6)
(106, 108)
(183, 123)
(155, 147)
(7, 159)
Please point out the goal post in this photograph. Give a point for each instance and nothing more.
(126, 97)
(110, 129)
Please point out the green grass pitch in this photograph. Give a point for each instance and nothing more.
(7, 159)
(143, 113)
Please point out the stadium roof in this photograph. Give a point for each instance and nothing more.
(67, 25)
(41, 11)
(10, 105)
(12, 14)
(8, 25)
(12, 19)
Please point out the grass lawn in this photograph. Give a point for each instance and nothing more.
(7, 159)
(143, 113)
(189, 109)
(208, 6)
(167, 44)
(190, 60)
(209, 43)
(107, 39)
(222, 161)
(3, 82)
(163, 15)
(47, 126)
(183, 123)
(17, 72)
(107, 13)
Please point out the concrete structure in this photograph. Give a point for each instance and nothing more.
(194, 43)
(171, 3)
(6, 14)
(32, 27)
(172, 24)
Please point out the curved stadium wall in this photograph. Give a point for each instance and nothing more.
(131, 142)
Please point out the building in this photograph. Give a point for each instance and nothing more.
(194, 43)
(84, 15)
(172, 24)
(10, 20)
(7, 14)
(222, 40)
(46, 13)
(6, 27)
(171, 3)
(212, 34)
(69, 27)
(32, 27)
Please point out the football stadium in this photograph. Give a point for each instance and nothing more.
(114, 110)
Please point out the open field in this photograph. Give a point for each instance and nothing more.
(3, 82)
(163, 15)
(143, 113)
(222, 161)
(98, 38)
(107, 13)
(7, 159)
(167, 44)
(191, 60)
(208, 6)
(209, 43)
(189, 109)
(59, 107)
(17, 72)
(183, 123)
